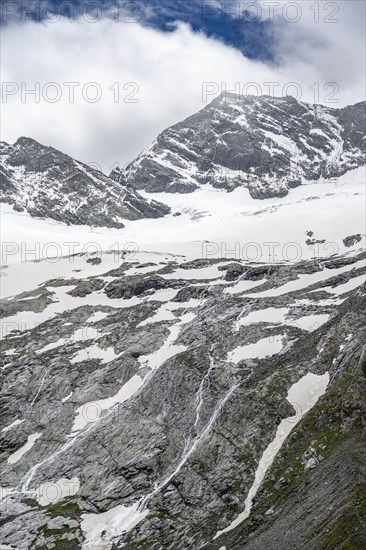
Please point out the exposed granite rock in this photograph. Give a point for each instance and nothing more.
(83, 288)
(233, 271)
(131, 286)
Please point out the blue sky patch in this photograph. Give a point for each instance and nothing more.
(227, 21)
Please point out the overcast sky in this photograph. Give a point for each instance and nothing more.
(164, 63)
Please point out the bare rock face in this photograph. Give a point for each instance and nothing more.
(352, 239)
(268, 145)
(49, 184)
(138, 417)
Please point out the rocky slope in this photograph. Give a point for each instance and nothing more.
(49, 184)
(137, 406)
(268, 145)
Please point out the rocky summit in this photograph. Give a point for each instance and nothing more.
(177, 392)
(266, 144)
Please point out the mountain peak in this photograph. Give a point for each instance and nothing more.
(266, 144)
(251, 98)
(49, 184)
(23, 140)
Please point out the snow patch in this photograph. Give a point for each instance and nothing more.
(259, 350)
(12, 425)
(101, 529)
(243, 286)
(54, 491)
(97, 316)
(90, 412)
(15, 457)
(303, 396)
(67, 397)
(346, 287)
(95, 352)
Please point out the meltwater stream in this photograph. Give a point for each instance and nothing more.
(197, 440)
(199, 398)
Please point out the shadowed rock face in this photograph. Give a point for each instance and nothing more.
(268, 145)
(49, 184)
(198, 423)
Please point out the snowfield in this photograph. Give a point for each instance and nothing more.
(212, 224)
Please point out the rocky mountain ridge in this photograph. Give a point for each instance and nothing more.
(49, 184)
(266, 144)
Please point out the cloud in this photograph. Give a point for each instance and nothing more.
(329, 36)
(166, 72)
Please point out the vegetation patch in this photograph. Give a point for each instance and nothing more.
(163, 514)
(142, 543)
(322, 429)
(66, 509)
(348, 532)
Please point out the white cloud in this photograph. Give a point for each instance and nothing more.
(169, 69)
(329, 36)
